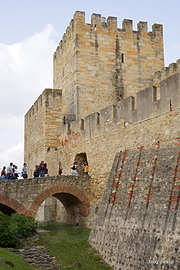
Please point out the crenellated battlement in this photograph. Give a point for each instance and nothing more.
(109, 24)
(50, 98)
(127, 111)
(166, 72)
(113, 62)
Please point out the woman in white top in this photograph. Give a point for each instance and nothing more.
(74, 168)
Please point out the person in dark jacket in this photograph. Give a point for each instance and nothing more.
(36, 171)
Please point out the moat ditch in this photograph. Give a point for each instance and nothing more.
(61, 246)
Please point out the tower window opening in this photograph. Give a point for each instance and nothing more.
(122, 57)
(170, 106)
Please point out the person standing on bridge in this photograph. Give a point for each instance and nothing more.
(36, 171)
(3, 173)
(42, 169)
(74, 168)
(86, 168)
(45, 170)
(9, 175)
(16, 172)
(60, 169)
(24, 171)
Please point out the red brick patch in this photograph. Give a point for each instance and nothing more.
(13, 204)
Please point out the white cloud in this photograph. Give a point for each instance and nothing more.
(13, 154)
(11, 122)
(26, 69)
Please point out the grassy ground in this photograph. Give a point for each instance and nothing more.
(19, 264)
(69, 244)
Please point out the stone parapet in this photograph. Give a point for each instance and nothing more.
(166, 72)
(131, 110)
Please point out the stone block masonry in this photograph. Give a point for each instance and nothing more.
(92, 60)
(26, 196)
(103, 61)
(138, 221)
(41, 122)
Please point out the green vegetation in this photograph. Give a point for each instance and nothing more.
(19, 264)
(69, 244)
(15, 227)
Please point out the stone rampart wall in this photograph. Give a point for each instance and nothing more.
(139, 216)
(100, 150)
(163, 74)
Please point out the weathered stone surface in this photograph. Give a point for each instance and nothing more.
(138, 219)
(74, 192)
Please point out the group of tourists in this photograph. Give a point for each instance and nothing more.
(84, 168)
(41, 170)
(12, 172)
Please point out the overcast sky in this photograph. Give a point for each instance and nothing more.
(30, 31)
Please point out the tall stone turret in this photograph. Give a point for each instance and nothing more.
(98, 64)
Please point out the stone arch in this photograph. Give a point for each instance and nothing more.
(13, 204)
(71, 198)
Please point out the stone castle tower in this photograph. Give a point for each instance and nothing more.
(95, 65)
(98, 64)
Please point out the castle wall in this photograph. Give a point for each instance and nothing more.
(164, 73)
(139, 216)
(135, 210)
(98, 64)
(102, 135)
(64, 71)
(41, 122)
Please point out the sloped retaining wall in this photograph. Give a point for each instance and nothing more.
(138, 224)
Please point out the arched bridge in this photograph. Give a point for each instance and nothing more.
(26, 195)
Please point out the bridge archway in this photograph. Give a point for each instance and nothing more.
(75, 202)
(9, 206)
(6, 209)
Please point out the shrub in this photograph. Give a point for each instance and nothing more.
(6, 239)
(15, 227)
